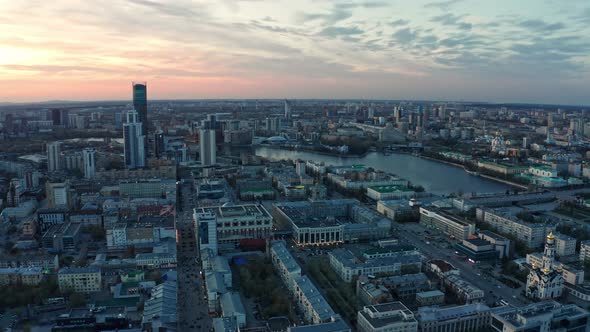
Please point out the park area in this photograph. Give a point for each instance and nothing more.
(258, 281)
(339, 294)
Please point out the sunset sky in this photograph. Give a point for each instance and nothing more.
(510, 50)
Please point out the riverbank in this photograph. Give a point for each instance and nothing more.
(325, 153)
(489, 177)
(436, 177)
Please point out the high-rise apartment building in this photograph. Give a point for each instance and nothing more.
(135, 141)
(159, 148)
(53, 156)
(208, 147)
(89, 162)
(287, 110)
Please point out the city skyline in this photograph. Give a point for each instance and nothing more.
(425, 50)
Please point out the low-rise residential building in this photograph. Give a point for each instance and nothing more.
(464, 290)
(311, 302)
(161, 309)
(156, 260)
(502, 220)
(358, 177)
(386, 317)
(441, 268)
(80, 280)
(379, 193)
(565, 245)
(348, 266)
(397, 209)
(231, 306)
(379, 289)
(335, 325)
(433, 297)
(547, 316)
(372, 293)
(307, 297)
(462, 318)
(585, 251)
(42, 260)
(501, 168)
(446, 222)
(284, 263)
(21, 276)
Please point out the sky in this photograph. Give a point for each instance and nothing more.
(462, 50)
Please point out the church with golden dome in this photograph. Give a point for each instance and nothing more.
(545, 281)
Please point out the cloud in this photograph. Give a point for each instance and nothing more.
(340, 31)
(334, 16)
(452, 20)
(399, 22)
(167, 9)
(443, 5)
(536, 25)
(54, 69)
(365, 4)
(405, 35)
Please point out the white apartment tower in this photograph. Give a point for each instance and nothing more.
(89, 162)
(134, 142)
(53, 156)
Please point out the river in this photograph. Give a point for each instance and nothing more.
(435, 177)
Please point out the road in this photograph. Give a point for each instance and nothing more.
(192, 309)
(411, 233)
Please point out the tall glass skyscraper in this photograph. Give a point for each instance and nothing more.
(140, 100)
(140, 106)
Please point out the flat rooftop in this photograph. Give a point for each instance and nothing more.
(386, 307)
(448, 215)
(249, 210)
(493, 235)
(390, 189)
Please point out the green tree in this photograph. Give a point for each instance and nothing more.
(77, 300)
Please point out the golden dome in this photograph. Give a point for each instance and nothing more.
(535, 265)
(546, 270)
(550, 236)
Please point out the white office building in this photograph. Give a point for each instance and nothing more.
(387, 317)
(135, 141)
(547, 316)
(463, 318)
